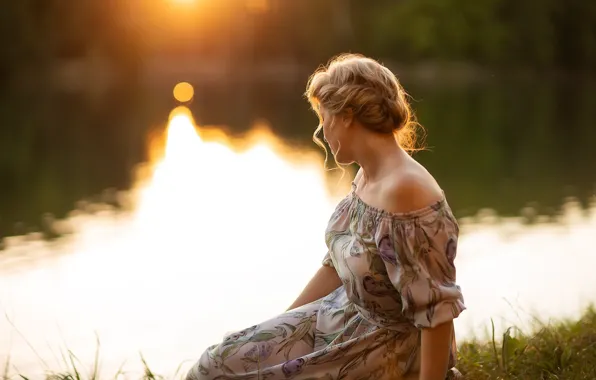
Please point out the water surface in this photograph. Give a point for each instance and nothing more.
(212, 238)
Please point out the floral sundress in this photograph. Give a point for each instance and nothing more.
(398, 276)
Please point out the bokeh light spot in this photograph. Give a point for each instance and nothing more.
(183, 92)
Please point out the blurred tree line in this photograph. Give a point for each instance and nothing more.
(546, 33)
(538, 34)
(34, 34)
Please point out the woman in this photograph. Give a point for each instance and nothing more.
(382, 304)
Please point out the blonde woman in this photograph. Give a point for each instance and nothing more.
(383, 302)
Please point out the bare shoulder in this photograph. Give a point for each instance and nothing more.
(412, 189)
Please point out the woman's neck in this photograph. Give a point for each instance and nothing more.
(380, 156)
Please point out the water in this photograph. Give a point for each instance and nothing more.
(210, 237)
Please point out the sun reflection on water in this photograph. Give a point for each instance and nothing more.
(222, 234)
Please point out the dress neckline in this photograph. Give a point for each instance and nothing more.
(415, 214)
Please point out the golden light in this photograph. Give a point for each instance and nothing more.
(223, 234)
(181, 133)
(184, 2)
(258, 6)
(183, 92)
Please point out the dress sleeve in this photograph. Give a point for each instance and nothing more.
(419, 256)
(327, 262)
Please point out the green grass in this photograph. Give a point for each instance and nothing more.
(562, 350)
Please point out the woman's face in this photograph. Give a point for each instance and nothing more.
(336, 133)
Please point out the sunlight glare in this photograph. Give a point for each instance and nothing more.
(224, 233)
(182, 138)
(183, 92)
(258, 6)
(184, 2)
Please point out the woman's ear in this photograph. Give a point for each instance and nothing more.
(347, 117)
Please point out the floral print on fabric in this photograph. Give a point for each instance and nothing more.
(398, 274)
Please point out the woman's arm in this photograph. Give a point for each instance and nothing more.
(434, 351)
(323, 282)
(433, 300)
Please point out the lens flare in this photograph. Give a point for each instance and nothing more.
(183, 92)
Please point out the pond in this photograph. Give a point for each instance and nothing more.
(123, 222)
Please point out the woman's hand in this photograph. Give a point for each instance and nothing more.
(434, 351)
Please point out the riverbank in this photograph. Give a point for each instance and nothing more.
(564, 349)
